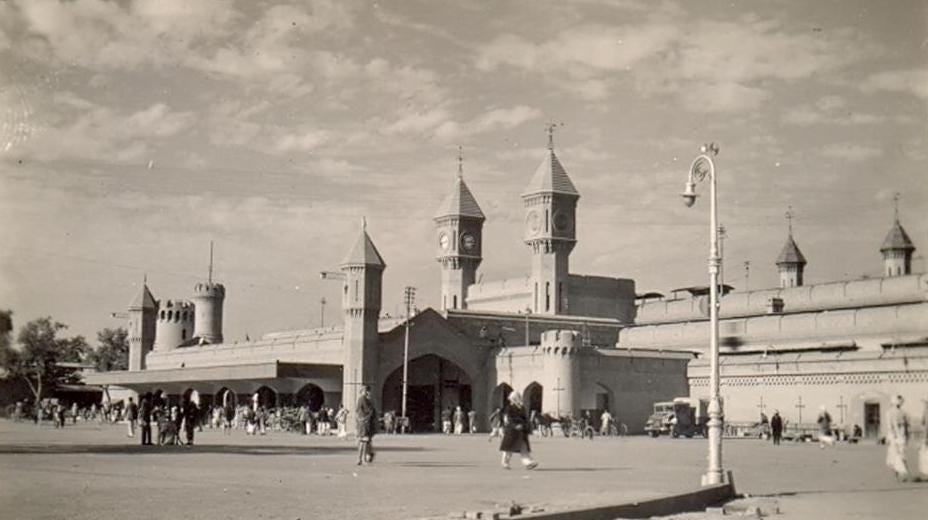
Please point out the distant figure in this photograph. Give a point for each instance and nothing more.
(145, 419)
(229, 418)
(776, 427)
(458, 421)
(495, 424)
(132, 416)
(605, 422)
(169, 427)
(191, 419)
(472, 421)
(923, 449)
(516, 428)
(897, 423)
(366, 424)
(18, 412)
(389, 423)
(824, 428)
(341, 417)
(446, 421)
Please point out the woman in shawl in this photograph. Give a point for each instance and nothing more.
(516, 428)
(366, 417)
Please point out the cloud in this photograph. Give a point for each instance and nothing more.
(910, 81)
(708, 65)
(852, 152)
(829, 109)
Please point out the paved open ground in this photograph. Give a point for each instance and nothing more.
(94, 472)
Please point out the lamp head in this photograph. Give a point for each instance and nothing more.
(689, 194)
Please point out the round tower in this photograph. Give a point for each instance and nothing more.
(208, 298)
(174, 324)
(561, 349)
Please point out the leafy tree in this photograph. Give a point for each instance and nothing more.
(37, 361)
(6, 327)
(112, 352)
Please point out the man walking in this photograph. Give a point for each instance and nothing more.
(366, 422)
(776, 427)
(145, 417)
(132, 416)
(191, 418)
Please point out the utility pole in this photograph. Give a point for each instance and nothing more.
(322, 303)
(409, 296)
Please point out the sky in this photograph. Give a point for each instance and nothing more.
(134, 133)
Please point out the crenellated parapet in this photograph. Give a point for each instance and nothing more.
(174, 324)
(562, 350)
(209, 298)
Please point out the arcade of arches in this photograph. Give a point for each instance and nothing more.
(434, 384)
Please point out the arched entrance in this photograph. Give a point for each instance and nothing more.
(532, 397)
(500, 396)
(310, 395)
(226, 397)
(266, 397)
(435, 383)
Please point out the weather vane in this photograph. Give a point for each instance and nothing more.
(789, 219)
(896, 198)
(552, 124)
(460, 161)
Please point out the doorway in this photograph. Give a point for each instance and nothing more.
(872, 420)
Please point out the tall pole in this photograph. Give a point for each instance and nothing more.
(322, 303)
(702, 167)
(409, 295)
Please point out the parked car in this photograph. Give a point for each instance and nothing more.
(683, 416)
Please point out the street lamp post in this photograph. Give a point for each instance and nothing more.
(702, 167)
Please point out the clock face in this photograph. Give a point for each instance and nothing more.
(468, 241)
(561, 222)
(444, 241)
(533, 223)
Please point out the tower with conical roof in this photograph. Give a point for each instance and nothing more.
(361, 302)
(897, 248)
(791, 262)
(142, 314)
(459, 223)
(550, 231)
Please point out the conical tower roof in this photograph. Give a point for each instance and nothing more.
(897, 239)
(364, 252)
(143, 300)
(460, 202)
(550, 177)
(790, 254)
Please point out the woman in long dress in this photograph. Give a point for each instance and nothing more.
(896, 437)
(516, 429)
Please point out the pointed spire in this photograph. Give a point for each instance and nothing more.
(551, 177)
(144, 299)
(460, 202)
(209, 278)
(790, 254)
(364, 251)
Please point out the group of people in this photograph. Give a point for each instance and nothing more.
(457, 421)
(153, 411)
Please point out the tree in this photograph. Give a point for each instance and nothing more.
(112, 352)
(41, 350)
(6, 327)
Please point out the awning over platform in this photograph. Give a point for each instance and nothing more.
(281, 376)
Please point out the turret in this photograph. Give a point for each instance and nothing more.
(142, 312)
(897, 251)
(562, 350)
(459, 222)
(174, 325)
(550, 231)
(208, 298)
(361, 302)
(790, 262)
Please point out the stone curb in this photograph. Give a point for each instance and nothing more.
(699, 500)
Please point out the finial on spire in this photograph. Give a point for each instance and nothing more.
(552, 124)
(209, 278)
(896, 197)
(364, 224)
(460, 162)
(145, 279)
(789, 219)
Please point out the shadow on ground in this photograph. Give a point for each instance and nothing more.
(117, 449)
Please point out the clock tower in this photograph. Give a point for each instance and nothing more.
(459, 223)
(550, 231)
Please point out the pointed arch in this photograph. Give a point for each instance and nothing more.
(500, 396)
(532, 396)
(310, 395)
(434, 383)
(266, 397)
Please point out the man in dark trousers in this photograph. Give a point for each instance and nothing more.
(145, 419)
(366, 417)
(191, 419)
(776, 427)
